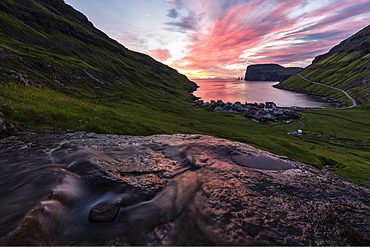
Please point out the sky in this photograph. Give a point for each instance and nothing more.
(220, 38)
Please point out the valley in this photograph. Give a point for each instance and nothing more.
(103, 145)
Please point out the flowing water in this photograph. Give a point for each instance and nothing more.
(56, 192)
(77, 188)
(232, 90)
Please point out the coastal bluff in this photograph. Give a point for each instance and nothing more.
(269, 72)
(79, 188)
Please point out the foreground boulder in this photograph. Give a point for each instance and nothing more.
(172, 190)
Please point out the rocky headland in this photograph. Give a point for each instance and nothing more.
(269, 72)
(78, 188)
(321, 96)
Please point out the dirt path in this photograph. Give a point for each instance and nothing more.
(296, 131)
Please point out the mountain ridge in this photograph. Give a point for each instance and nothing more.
(357, 42)
(345, 66)
(55, 28)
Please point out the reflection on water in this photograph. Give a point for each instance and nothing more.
(232, 90)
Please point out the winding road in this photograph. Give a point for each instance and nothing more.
(347, 107)
(315, 82)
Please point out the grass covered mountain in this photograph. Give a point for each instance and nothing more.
(48, 44)
(346, 66)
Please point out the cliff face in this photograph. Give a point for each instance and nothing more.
(269, 72)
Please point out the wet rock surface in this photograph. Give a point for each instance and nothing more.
(105, 211)
(76, 188)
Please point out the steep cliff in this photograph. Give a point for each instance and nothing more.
(269, 72)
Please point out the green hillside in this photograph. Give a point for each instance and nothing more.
(57, 48)
(346, 66)
(59, 72)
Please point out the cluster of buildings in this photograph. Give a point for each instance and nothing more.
(258, 112)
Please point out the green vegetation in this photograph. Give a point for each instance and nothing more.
(337, 138)
(346, 67)
(91, 83)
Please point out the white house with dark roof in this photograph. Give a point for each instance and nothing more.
(269, 106)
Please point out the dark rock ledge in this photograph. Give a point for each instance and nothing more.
(173, 190)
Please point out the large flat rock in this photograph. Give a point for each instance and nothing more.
(171, 190)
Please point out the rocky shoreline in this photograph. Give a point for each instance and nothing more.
(327, 98)
(99, 189)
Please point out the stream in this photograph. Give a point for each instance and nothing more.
(78, 188)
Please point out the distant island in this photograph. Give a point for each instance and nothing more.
(269, 72)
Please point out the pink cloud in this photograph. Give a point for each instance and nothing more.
(218, 37)
(272, 34)
(161, 54)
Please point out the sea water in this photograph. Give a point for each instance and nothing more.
(232, 90)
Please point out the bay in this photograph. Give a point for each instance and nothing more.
(232, 90)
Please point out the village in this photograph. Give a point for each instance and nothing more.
(258, 112)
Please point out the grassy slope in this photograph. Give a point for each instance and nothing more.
(142, 97)
(335, 138)
(341, 135)
(64, 51)
(346, 66)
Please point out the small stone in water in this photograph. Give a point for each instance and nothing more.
(106, 211)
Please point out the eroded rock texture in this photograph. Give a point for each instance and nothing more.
(170, 190)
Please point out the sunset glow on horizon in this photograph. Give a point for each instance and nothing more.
(220, 38)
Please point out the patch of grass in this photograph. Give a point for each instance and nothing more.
(346, 70)
(92, 83)
(338, 139)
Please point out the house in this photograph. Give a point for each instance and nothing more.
(199, 102)
(248, 115)
(235, 109)
(271, 116)
(253, 111)
(269, 106)
(291, 114)
(244, 109)
(259, 119)
(278, 111)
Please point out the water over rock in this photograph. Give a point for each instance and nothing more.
(77, 188)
